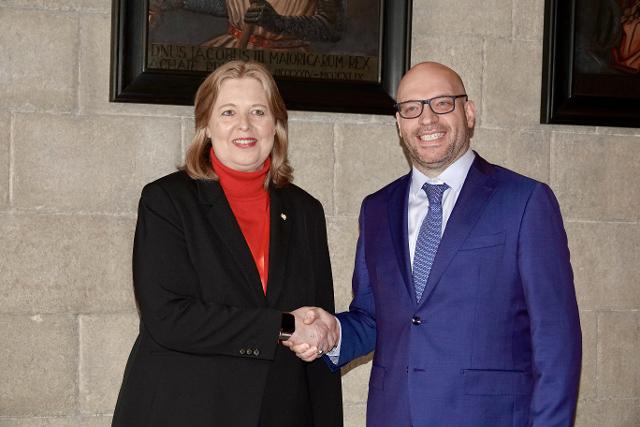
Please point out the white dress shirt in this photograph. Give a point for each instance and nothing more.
(454, 176)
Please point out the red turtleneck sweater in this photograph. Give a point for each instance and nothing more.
(249, 202)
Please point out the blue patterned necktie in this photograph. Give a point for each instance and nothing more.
(428, 237)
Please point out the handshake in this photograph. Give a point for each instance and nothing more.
(316, 333)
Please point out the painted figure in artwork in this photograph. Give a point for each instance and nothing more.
(608, 36)
(283, 25)
(627, 55)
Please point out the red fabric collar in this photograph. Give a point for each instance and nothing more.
(249, 203)
(238, 184)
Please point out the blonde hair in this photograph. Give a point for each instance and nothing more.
(197, 163)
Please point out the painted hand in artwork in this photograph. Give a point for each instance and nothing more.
(261, 13)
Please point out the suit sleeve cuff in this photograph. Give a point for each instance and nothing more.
(334, 354)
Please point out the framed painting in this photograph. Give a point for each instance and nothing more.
(591, 63)
(326, 55)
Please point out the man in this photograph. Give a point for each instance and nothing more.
(462, 282)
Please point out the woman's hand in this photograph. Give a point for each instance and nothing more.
(317, 332)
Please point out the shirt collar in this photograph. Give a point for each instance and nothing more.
(453, 176)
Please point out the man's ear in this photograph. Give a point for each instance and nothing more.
(470, 113)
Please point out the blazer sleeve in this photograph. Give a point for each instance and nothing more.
(544, 265)
(324, 385)
(359, 323)
(168, 291)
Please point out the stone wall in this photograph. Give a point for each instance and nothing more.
(72, 166)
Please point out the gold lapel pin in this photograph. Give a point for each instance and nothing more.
(283, 216)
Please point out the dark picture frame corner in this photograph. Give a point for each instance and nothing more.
(581, 83)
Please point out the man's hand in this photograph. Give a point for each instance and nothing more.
(317, 332)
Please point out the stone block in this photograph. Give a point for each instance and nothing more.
(355, 414)
(528, 20)
(99, 6)
(188, 132)
(63, 263)
(461, 53)
(589, 326)
(595, 178)
(89, 421)
(512, 81)
(5, 144)
(329, 117)
(311, 155)
(581, 129)
(526, 152)
(367, 159)
(608, 412)
(90, 163)
(95, 39)
(355, 380)
(618, 349)
(39, 365)
(105, 344)
(462, 17)
(343, 235)
(40, 60)
(602, 130)
(602, 256)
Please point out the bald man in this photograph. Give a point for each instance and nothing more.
(462, 282)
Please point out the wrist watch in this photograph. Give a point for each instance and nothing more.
(287, 326)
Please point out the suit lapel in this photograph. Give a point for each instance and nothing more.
(398, 205)
(224, 224)
(278, 243)
(477, 189)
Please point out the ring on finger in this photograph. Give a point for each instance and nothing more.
(320, 352)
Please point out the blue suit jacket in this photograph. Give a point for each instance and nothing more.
(495, 340)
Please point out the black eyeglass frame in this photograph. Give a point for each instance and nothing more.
(428, 102)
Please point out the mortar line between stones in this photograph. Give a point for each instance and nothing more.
(335, 171)
(12, 120)
(79, 366)
(183, 143)
(78, 67)
(513, 19)
(552, 139)
(597, 373)
(482, 81)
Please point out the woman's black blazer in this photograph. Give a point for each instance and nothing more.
(207, 352)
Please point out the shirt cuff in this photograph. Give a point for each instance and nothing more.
(334, 354)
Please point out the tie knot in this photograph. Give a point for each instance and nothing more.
(434, 192)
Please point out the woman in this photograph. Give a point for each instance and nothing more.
(223, 249)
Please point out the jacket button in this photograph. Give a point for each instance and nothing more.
(256, 352)
(416, 320)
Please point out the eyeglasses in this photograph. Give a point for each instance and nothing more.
(439, 105)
